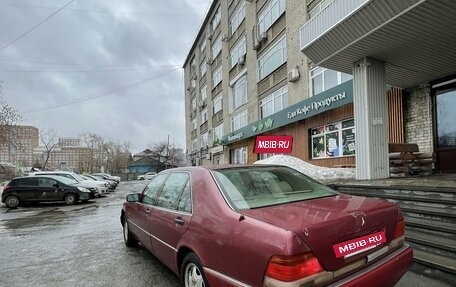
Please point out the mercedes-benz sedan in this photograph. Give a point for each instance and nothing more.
(262, 225)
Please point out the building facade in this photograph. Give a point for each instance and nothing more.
(305, 69)
(19, 145)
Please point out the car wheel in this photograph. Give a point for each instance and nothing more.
(129, 240)
(70, 199)
(192, 274)
(12, 201)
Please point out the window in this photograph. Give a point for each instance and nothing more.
(203, 116)
(218, 133)
(270, 14)
(194, 105)
(172, 190)
(203, 93)
(334, 140)
(217, 77)
(273, 58)
(194, 124)
(239, 93)
(238, 51)
(216, 19)
(216, 47)
(239, 120)
(46, 182)
(273, 103)
(27, 182)
(185, 201)
(203, 67)
(239, 155)
(194, 144)
(203, 45)
(204, 140)
(217, 104)
(323, 79)
(237, 17)
(152, 188)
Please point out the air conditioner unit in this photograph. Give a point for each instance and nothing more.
(263, 37)
(293, 75)
(241, 60)
(192, 66)
(256, 44)
(225, 38)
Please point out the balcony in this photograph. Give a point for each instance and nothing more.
(410, 36)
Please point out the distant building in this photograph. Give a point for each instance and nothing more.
(19, 145)
(69, 142)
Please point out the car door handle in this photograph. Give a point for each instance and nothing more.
(179, 221)
(147, 211)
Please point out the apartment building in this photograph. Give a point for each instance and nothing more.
(344, 78)
(20, 141)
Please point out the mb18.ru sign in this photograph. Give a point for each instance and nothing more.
(273, 144)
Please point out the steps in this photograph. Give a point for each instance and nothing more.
(430, 224)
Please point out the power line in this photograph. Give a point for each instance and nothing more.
(76, 64)
(34, 27)
(85, 99)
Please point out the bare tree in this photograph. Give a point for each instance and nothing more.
(117, 156)
(167, 154)
(49, 141)
(94, 158)
(9, 117)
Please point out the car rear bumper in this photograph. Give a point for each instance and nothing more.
(386, 272)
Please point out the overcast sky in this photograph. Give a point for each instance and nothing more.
(109, 67)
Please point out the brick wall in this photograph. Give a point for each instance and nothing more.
(418, 118)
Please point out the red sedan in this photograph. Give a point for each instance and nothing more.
(264, 225)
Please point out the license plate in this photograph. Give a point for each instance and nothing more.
(358, 245)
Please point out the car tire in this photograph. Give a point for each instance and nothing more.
(12, 201)
(129, 239)
(192, 274)
(70, 199)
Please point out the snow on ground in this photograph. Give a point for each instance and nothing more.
(323, 174)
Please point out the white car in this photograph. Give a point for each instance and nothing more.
(100, 185)
(148, 175)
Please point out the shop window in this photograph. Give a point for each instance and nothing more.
(274, 103)
(333, 140)
(239, 155)
(323, 79)
(239, 120)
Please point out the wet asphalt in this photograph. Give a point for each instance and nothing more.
(82, 245)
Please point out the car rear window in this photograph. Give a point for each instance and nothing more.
(259, 186)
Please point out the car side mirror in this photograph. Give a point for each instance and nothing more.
(134, 197)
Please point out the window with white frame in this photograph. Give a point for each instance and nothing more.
(238, 50)
(203, 93)
(216, 19)
(193, 83)
(194, 124)
(203, 45)
(320, 6)
(239, 155)
(334, 140)
(203, 68)
(273, 103)
(273, 58)
(238, 93)
(218, 134)
(216, 47)
(239, 120)
(204, 116)
(204, 140)
(237, 17)
(271, 12)
(194, 105)
(218, 104)
(217, 77)
(323, 79)
(194, 144)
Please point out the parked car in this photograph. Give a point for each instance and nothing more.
(111, 184)
(102, 187)
(265, 225)
(41, 189)
(148, 175)
(106, 175)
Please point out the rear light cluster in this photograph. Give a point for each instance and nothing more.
(292, 268)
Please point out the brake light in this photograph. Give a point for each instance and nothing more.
(6, 187)
(400, 228)
(291, 268)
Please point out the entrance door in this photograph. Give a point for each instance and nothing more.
(445, 127)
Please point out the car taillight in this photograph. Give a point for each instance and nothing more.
(6, 187)
(400, 227)
(291, 268)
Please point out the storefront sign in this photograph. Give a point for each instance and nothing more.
(273, 144)
(358, 245)
(315, 105)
